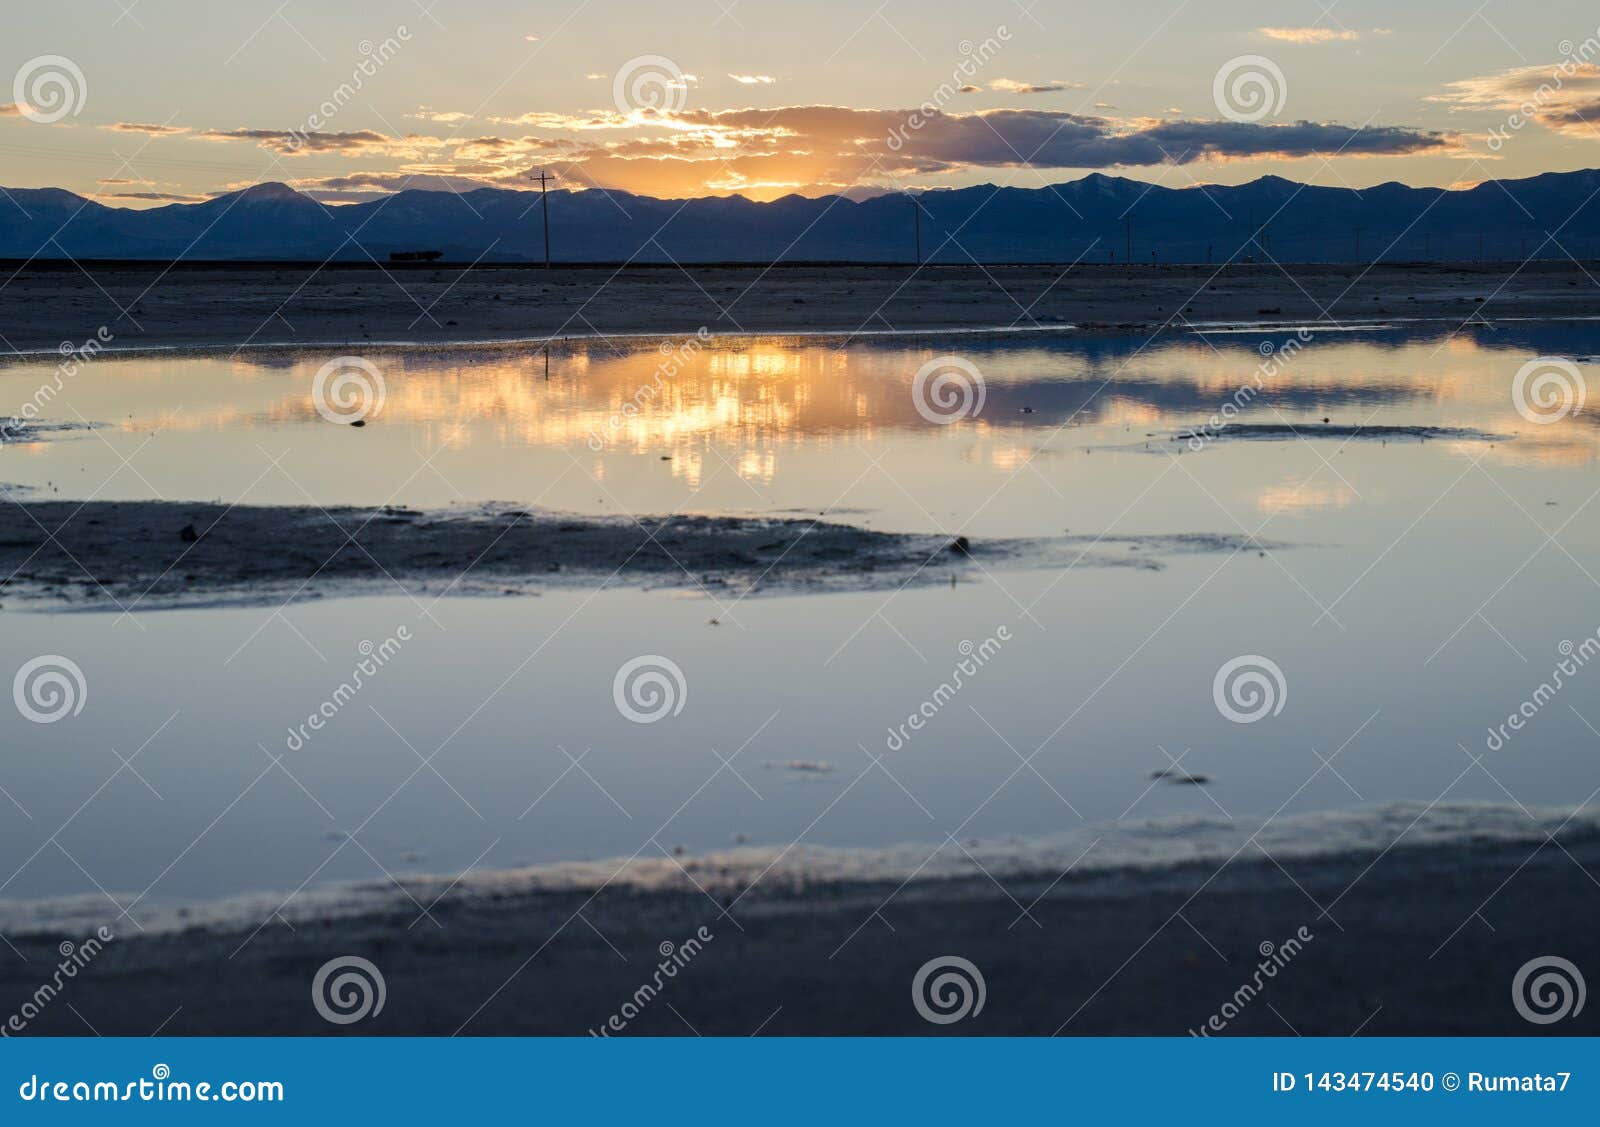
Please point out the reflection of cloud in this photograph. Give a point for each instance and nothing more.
(1301, 497)
(1565, 97)
(771, 396)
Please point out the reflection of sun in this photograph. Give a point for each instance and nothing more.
(767, 393)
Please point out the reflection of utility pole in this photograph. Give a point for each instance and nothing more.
(543, 179)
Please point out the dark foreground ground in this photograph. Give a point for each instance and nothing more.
(43, 305)
(1425, 942)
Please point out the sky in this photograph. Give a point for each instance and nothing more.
(144, 102)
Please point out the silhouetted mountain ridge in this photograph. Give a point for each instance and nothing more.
(1549, 215)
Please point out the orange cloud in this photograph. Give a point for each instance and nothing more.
(1563, 97)
(1304, 35)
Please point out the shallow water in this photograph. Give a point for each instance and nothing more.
(1424, 595)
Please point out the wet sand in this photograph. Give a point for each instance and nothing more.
(1401, 951)
(44, 304)
(163, 553)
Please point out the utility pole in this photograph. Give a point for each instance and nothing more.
(1127, 236)
(1359, 229)
(1480, 246)
(916, 225)
(543, 179)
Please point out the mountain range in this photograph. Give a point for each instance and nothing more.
(1095, 219)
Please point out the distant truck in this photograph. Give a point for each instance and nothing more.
(415, 255)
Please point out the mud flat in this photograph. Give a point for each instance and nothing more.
(163, 553)
(228, 307)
